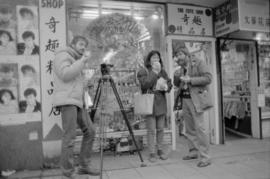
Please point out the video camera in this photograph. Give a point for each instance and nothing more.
(105, 68)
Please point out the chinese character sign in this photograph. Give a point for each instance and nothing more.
(52, 37)
(254, 15)
(189, 20)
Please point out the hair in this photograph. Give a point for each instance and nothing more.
(27, 34)
(147, 61)
(25, 10)
(24, 68)
(78, 38)
(30, 91)
(7, 33)
(3, 91)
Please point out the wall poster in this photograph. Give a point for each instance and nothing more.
(20, 100)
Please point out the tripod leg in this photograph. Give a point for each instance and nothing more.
(126, 119)
(96, 101)
(101, 126)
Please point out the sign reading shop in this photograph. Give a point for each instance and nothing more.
(189, 20)
(52, 37)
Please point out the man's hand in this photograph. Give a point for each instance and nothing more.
(86, 56)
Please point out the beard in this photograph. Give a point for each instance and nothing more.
(80, 52)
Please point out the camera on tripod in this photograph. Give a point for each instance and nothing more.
(105, 68)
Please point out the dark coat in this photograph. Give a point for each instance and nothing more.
(148, 80)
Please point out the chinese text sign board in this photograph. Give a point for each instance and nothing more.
(52, 37)
(254, 15)
(246, 15)
(189, 20)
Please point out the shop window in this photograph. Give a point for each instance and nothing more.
(264, 68)
(236, 65)
(120, 33)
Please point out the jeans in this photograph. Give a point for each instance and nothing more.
(195, 129)
(71, 116)
(155, 129)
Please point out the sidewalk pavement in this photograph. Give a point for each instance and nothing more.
(237, 159)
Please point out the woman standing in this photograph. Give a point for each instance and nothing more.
(154, 79)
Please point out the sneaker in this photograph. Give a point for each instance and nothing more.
(203, 164)
(88, 171)
(152, 158)
(162, 155)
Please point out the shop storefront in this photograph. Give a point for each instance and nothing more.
(243, 50)
(120, 33)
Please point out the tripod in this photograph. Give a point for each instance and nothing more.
(100, 88)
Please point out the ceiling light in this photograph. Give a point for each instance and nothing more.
(89, 16)
(155, 16)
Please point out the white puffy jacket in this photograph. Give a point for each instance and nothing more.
(68, 78)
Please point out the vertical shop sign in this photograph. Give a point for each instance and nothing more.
(254, 15)
(226, 18)
(52, 37)
(189, 20)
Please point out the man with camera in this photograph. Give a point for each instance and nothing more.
(69, 86)
(192, 80)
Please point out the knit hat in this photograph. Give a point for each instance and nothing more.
(179, 46)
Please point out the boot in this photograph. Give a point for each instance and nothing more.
(162, 155)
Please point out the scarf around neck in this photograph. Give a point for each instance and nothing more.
(71, 51)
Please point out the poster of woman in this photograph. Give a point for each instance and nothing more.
(30, 104)
(27, 17)
(28, 38)
(7, 17)
(8, 74)
(7, 42)
(8, 101)
(29, 76)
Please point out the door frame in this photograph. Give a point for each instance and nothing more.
(258, 134)
(214, 126)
